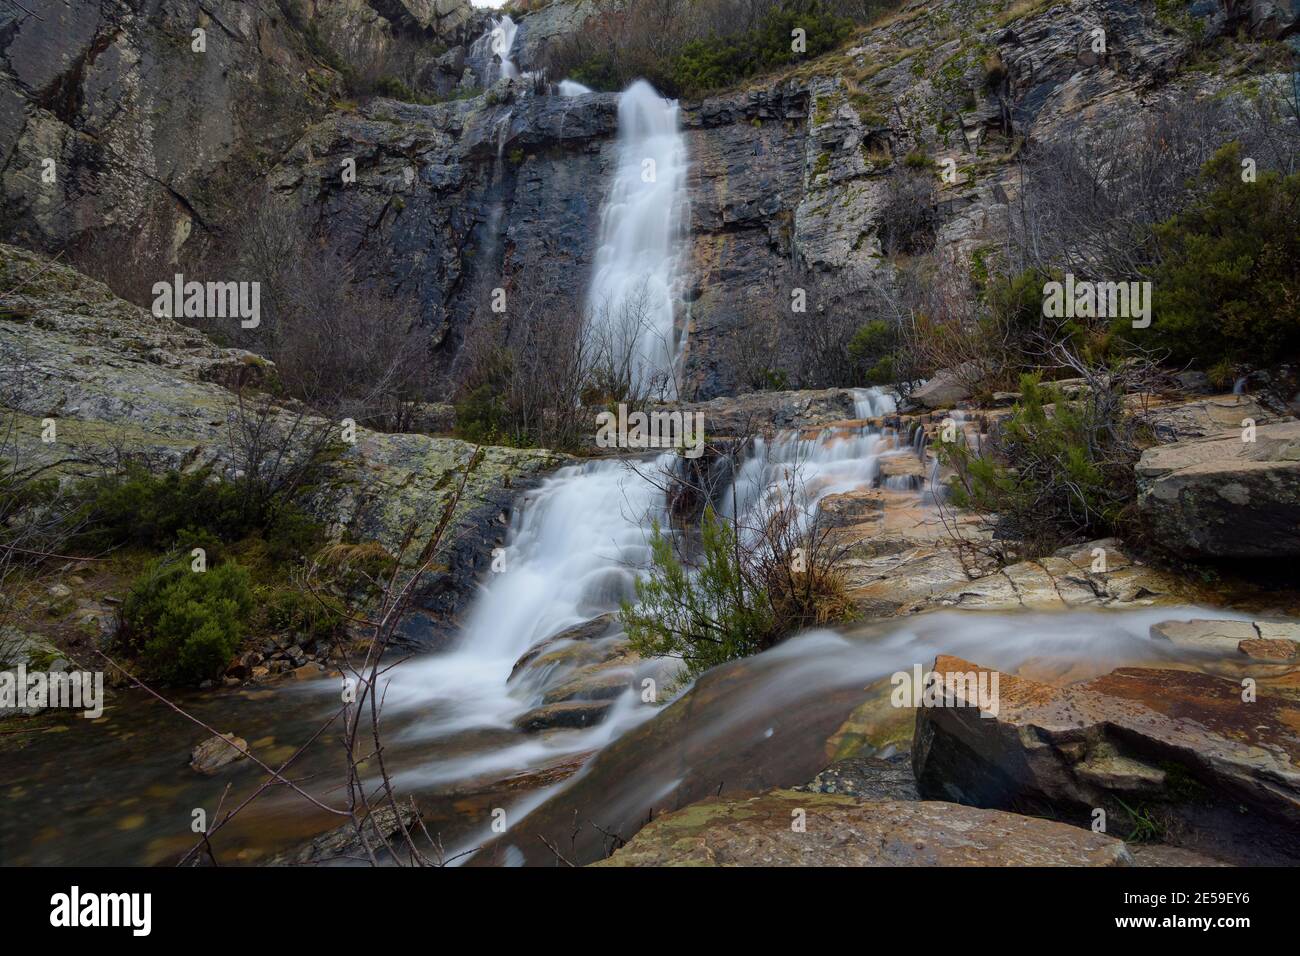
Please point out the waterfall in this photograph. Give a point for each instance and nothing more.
(496, 45)
(572, 88)
(632, 300)
(873, 403)
(570, 555)
(575, 547)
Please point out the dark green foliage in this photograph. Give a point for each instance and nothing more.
(1228, 286)
(710, 50)
(872, 349)
(1053, 474)
(917, 159)
(706, 616)
(481, 416)
(747, 590)
(395, 89)
(140, 509)
(187, 624)
(714, 62)
(301, 614)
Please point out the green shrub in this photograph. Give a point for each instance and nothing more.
(1058, 469)
(160, 512)
(186, 624)
(711, 63)
(1228, 286)
(481, 416)
(298, 613)
(872, 348)
(749, 589)
(917, 159)
(705, 616)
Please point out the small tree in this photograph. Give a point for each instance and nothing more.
(1228, 285)
(707, 615)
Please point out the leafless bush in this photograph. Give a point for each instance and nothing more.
(520, 375)
(274, 451)
(337, 343)
(909, 216)
(1087, 200)
(817, 343)
(619, 336)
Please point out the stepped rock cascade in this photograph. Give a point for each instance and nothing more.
(833, 461)
(634, 294)
(575, 547)
(569, 556)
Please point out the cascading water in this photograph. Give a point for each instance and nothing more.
(811, 467)
(634, 293)
(571, 554)
(492, 51)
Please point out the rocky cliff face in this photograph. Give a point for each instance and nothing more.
(118, 384)
(115, 126)
(504, 189)
(787, 176)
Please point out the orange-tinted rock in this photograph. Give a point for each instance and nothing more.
(1215, 771)
(1270, 649)
(789, 828)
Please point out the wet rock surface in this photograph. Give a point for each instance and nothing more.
(1189, 754)
(217, 752)
(868, 778)
(789, 828)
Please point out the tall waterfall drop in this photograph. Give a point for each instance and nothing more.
(498, 41)
(634, 289)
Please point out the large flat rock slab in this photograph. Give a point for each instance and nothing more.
(1224, 497)
(789, 828)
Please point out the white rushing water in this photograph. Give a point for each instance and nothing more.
(575, 547)
(813, 466)
(634, 292)
(571, 554)
(494, 49)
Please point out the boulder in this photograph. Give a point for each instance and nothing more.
(343, 845)
(869, 778)
(1270, 649)
(598, 627)
(1174, 751)
(217, 752)
(1094, 574)
(1225, 497)
(790, 828)
(1273, 19)
(1212, 417)
(569, 713)
(1215, 637)
(593, 684)
(946, 387)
